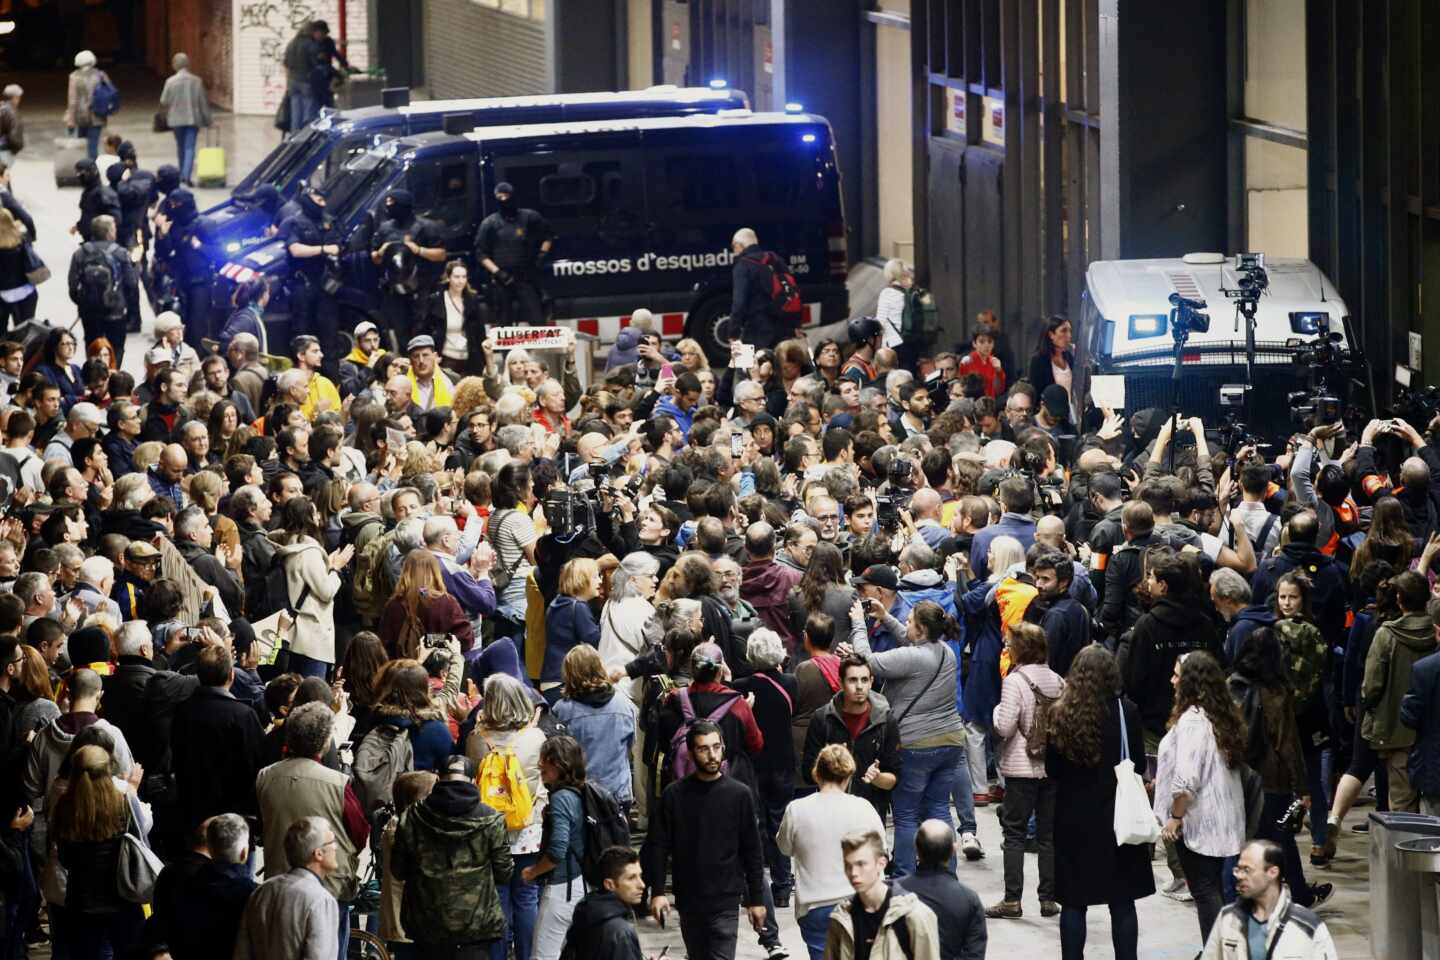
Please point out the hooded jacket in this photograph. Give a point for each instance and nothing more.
(1388, 665)
(766, 585)
(1170, 629)
(901, 909)
(1331, 592)
(878, 742)
(49, 749)
(918, 586)
(452, 853)
(306, 564)
(604, 724)
(1246, 622)
(600, 928)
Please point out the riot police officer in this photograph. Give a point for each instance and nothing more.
(410, 252)
(96, 198)
(307, 247)
(161, 284)
(179, 244)
(513, 246)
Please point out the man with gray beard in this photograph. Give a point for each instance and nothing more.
(744, 617)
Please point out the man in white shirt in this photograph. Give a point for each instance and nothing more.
(84, 420)
(1262, 525)
(19, 432)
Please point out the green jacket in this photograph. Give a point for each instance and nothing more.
(1393, 652)
(452, 852)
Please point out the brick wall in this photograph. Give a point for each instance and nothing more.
(260, 30)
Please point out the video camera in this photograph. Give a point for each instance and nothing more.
(1321, 363)
(1251, 278)
(887, 507)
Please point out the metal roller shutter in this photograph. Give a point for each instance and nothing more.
(472, 51)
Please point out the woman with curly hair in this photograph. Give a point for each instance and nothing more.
(1198, 795)
(1092, 728)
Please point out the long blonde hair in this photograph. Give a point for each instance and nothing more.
(10, 236)
(91, 809)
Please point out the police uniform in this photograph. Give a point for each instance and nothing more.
(310, 310)
(406, 280)
(511, 237)
(182, 249)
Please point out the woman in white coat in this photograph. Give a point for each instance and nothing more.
(312, 580)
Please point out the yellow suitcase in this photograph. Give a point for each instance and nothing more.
(210, 161)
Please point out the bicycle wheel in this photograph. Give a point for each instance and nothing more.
(366, 946)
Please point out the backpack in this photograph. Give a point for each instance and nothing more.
(1037, 738)
(681, 762)
(605, 827)
(96, 285)
(277, 589)
(1304, 648)
(917, 316)
(503, 787)
(370, 587)
(380, 757)
(784, 290)
(104, 99)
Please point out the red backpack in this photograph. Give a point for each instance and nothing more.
(784, 290)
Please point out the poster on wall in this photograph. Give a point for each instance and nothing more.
(264, 28)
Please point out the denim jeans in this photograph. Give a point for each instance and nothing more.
(308, 666)
(185, 151)
(927, 780)
(344, 931)
(710, 936)
(964, 792)
(813, 927)
(91, 135)
(519, 902)
(774, 798)
(1315, 764)
(303, 107)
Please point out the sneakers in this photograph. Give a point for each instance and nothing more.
(982, 799)
(997, 793)
(1049, 908)
(970, 846)
(1320, 856)
(1005, 910)
(1321, 892)
(1177, 890)
(776, 952)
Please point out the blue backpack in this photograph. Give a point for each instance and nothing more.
(105, 100)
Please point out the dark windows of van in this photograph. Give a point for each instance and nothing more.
(442, 192)
(700, 182)
(594, 194)
(788, 181)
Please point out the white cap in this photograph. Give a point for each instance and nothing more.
(84, 59)
(167, 321)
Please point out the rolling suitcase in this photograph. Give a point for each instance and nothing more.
(67, 151)
(210, 161)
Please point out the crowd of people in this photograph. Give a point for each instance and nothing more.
(479, 659)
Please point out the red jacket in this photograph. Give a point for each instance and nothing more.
(992, 374)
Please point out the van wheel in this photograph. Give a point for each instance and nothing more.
(709, 325)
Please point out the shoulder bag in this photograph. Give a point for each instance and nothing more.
(1135, 821)
(136, 870)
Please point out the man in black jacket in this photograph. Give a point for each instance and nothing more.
(752, 310)
(96, 198)
(956, 907)
(200, 915)
(217, 743)
(600, 928)
(1331, 585)
(1174, 626)
(251, 510)
(1064, 619)
(706, 826)
(1420, 711)
(877, 747)
(1121, 608)
(193, 538)
(103, 283)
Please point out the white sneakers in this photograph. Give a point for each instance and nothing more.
(970, 846)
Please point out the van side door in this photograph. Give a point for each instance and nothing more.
(699, 195)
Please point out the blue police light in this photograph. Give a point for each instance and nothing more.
(794, 106)
(808, 138)
(1308, 322)
(719, 83)
(1145, 325)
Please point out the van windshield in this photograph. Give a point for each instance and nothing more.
(285, 162)
(353, 187)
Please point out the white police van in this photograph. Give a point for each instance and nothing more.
(1127, 328)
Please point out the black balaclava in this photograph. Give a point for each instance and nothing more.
(508, 206)
(180, 207)
(167, 178)
(312, 209)
(88, 173)
(400, 206)
(126, 153)
(266, 197)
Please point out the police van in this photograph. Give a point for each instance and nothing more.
(310, 156)
(643, 210)
(1127, 328)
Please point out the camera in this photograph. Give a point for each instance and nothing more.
(435, 641)
(571, 514)
(1187, 317)
(897, 497)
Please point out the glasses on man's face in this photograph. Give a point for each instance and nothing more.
(828, 518)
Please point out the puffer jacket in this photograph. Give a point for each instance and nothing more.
(1393, 652)
(920, 585)
(1301, 934)
(1015, 714)
(452, 853)
(905, 908)
(601, 927)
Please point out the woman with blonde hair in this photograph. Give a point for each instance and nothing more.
(569, 621)
(421, 605)
(603, 723)
(692, 356)
(507, 722)
(810, 833)
(18, 296)
(88, 824)
(34, 692)
(147, 455)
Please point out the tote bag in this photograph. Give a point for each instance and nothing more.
(1134, 820)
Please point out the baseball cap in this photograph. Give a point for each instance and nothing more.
(140, 550)
(158, 355)
(1057, 401)
(364, 327)
(763, 419)
(458, 764)
(86, 412)
(169, 320)
(420, 343)
(879, 575)
(504, 187)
